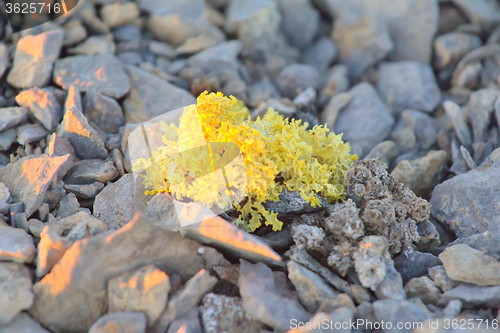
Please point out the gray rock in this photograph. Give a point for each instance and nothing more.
(102, 73)
(311, 288)
(145, 103)
(190, 323)
(300, 22)
(441, 280)
(400, 311)
(30, 186)
(130, 322)
(68, 206)
(161, 210)
(220, 313)
(265, 48)
(466, 204)
(185, 9)
(50, 249)
(10, 117)
(90, 171)
(30, 133)
(88, 264)
(75, 127)
(57, 146)
(185, 299)
(408, 85)
(386, 151)
(74, 33)
(95, 45)
(116, 204)
(296, 78)
(473, 296)
(260, 297)
(321, 54)
(486, 242)
(414, 264)
(334, 81)
(429, 236)
(424, 126)
(290, 202)
(115, 15)
(16, 245)
(220, 61)
(34, 59)
(424, 288)
(15, 290)
(7, 137)
(422, 174)
(451, 47)
(392, 285)
(483, 13)
(4, 59)
(85, 191)
(104, 111)
(479, 110)
(23, 323)
(43, 105)
(134, 291)
(365, 121)
(465, 264)
(461, 129)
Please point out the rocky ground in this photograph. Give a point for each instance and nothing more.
(414, 83)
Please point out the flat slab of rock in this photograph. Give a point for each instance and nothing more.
(102, 73)
(16, 245)
(144, 101)
(10, 117)
(15, 290)
(473, 296)
(29, 177)
(34, 59)
(43, 105)
(129, 322)
(75, 127)
(91, 171)
(404, 311)
(104, 111)
(85, 268)
(468, 203)
(23, 323)
(463, 263)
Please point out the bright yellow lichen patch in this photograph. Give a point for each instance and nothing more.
(276, 152)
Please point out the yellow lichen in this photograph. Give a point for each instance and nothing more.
(276, 153)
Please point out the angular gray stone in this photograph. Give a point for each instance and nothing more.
(23, 323)
(424, 288)
(260, 298)
(129, 322)
(321, 54)
(104, 111)
(16, 245)
(365, 121)
(486, 242)
(144, 101)
(90, 171)
(10, 117)
(441, 280)
(29, 177)
(189, 323)
(296, 78)
(34, 59)
(484, 13)
(85, 191)
(473, 296)
(7, 137)
(460, 126)
(400, 311)
(300, 22)
(183, 8)
(88, 264)
(15, 290)
(43, 105)
(466, 204)
(451, 47)
(102, 73)
(414, 264)
(75, 127)
(28, 133)
(391, 286)
(68, 206)
(4, 59)
(408, 85)
(51, 248)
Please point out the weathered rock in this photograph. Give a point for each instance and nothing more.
(334, 81)
(466, 204)
(321, 54)
(215, 231)
(400, 311)
(91, 171)
(423, 174)
(478, 110)
(486, 242)
(300, 22)
(67, 224)
(185, 299)
(220, 313)
(473, 296)
(29, 177)
(260, 296)
(23, 323)
(296, 78)
(118, 14)
(75, 127)
(104, 111)
(7, 137)
(312, 289)
(74, 33)
(386, 151)
(85, 191)
(424, 288)
(145, 103)
(4, 59)
(88, 264)
(129, 322)
(465, 264)
(365, 121)
(50, 250)
(441, 280)
(102, 73)
(43, 105)
(115, 205)
(161, 211)
(10, 117)
(68, 206)
(57, 146)
(483, 13)
(145, 290)
(28, 133)
(15, 290)
(451, 47)
(34, 59)
(189, 323)
(414, 264)
(408, 85)
(95, 45)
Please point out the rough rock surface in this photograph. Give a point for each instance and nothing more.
(16, 245)
(15, 290)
